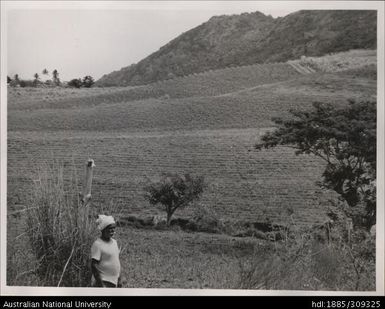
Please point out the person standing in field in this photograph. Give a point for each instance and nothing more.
(105, 263)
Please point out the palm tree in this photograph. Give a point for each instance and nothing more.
(16, 81)
(36, 80)
(55, 77)
(45, 72)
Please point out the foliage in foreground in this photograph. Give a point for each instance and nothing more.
(60, 229)
(307, 260)
(345, 138)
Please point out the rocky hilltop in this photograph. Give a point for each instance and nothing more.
(249, 38)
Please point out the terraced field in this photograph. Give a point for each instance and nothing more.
(244, 108)
(204, 124)
(339, 61)
(241, 180)
(209, 83)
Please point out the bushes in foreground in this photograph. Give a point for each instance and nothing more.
(306, 262)
(60, 229)
(54, 249)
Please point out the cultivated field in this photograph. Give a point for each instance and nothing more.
(205, 124)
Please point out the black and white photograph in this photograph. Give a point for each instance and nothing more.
(192, 147)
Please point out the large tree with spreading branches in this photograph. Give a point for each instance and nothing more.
(345, 138)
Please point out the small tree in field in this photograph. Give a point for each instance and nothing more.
(88, 81)
(174, 191)
(75, 83)
(345, 138)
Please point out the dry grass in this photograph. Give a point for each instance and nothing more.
(341, 61)
(306, 262)
(28, 95)
(49, 244)
(176, 259)
(60, 229)
(21, 262)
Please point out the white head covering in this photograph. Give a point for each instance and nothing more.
(103, 221)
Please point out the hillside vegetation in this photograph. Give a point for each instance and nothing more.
(251, 38)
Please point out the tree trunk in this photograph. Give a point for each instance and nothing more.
(169, 214)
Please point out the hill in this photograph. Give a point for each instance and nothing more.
(251, 38)
(204, 124)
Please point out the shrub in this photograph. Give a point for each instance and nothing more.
(259, 270)
(27, 83)
(75, 83)
(48, 83)
(206, 220)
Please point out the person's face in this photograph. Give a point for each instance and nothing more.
(109, 231)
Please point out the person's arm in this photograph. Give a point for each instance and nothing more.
(96, 255)
(119, 285)
(95, 272)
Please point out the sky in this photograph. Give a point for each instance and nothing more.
(95, 38)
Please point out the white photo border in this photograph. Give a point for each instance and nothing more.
(6, 6)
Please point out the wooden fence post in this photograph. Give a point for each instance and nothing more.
(349, 227)
(86, 194)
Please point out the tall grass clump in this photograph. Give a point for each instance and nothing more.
(307, 260)
(276, 265)
(60, 228)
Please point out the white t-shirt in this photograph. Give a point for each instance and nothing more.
(107, 253)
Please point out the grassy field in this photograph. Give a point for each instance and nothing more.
(341, 61)
(172, 258)
(245, 107)
(205, 124)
